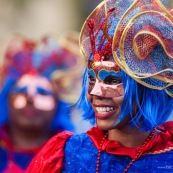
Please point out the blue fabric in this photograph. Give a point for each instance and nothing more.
(22, 160)
(3, 159)
(82, 157)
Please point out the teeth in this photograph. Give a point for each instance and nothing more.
(104, 110)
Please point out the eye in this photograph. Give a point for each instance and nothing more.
(112, 80)
(19, 90)
(91, 79)
(44, 92)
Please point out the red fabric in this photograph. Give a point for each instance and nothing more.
(163, 140)
(11, 168)
(50, 158)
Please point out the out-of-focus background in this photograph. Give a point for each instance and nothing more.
(37, 17)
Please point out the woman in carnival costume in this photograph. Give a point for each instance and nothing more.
(31, 110)
(127, 91)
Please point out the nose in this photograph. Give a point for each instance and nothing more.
(98, 90)
(30, 99)
(30, 95)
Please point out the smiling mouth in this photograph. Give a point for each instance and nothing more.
(105, 110)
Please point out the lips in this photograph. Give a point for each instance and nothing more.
(29, 112)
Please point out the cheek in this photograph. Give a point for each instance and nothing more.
(19, 102)
(44, 103)
(89, 97)
(118, 100)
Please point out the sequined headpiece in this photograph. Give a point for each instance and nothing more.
(145, 38)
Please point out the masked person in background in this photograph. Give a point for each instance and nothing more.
(31, 111)
(127, 91)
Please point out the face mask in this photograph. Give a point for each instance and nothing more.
(38, 92)
(104, 79)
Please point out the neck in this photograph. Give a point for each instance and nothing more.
(128, 137)
(28, 138)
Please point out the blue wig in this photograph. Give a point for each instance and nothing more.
(153, 107)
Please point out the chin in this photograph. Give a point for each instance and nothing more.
(105, 125)
(26, 124)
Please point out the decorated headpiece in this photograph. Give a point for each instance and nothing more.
(140, 34)
(47, 57)
(144, 36)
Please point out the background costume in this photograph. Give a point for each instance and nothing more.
(139, 34)
(46, 57)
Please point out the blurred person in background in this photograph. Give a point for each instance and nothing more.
(33, 106)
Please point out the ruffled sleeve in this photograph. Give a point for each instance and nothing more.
(50, 158)
(163, 142)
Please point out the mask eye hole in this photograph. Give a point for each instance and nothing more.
(91, 78)
(19, 90)
(112, 80)
(44, 92)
